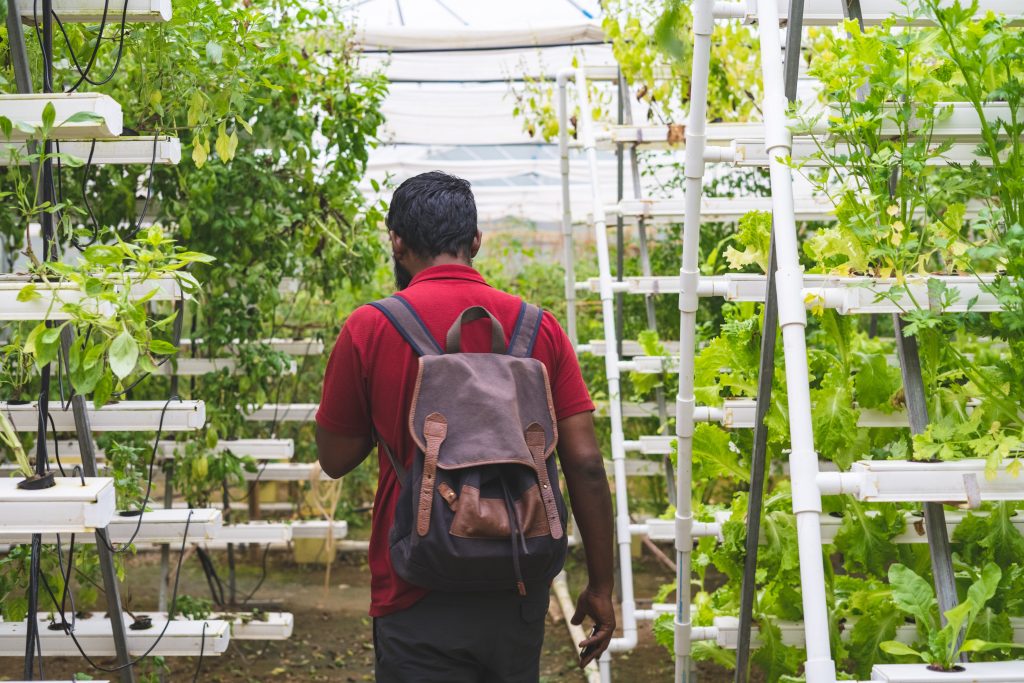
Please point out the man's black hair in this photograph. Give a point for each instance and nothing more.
(434, 213)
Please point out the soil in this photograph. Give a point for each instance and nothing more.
(332, 638)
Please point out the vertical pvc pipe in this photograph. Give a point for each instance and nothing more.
(611, 358)
(765, 378)
(689, 274)
(793, 319)
(568, 250)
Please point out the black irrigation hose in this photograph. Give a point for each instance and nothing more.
(84, 74)
(202, 648)
(149, 485)
(56, 441)
(212, 579)
(170, 617)
(136, 224)
(263, 575)
(259, 476)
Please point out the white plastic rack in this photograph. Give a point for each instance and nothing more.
(106, 120)
(183, 638)
(264, 626)
(282, 471)
(120, 151)
(120, 416)
(850, 295)
(282, 412)
(47, 306)
(93, 11)
(293, 347)
(157, 526)
(67, 507)
(195, 367)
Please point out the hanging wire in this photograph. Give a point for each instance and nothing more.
(149, 484)
(56, 441)
(170, 616)
(84, 73)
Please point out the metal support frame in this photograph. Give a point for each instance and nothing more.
(19, 57)
(939, 550)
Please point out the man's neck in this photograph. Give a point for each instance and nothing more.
(440, 260)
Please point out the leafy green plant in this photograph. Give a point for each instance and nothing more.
(9, 437)
(193, 608)
(112, 285)
(916, 597)
(200, 471)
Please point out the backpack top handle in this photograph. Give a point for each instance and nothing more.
(453, 342)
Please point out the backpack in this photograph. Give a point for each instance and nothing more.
(480, 508)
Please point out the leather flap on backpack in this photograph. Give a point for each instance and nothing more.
(488, 401)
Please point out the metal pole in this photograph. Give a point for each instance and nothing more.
(765, 377)
(111, 587)
(45, 193)
(23, 79)
(934, 516)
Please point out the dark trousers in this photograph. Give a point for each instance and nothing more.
(479, 637)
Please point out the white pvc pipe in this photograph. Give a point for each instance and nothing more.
(703, 24)
(793, 320)
(568, 249)
(561, 589)
(628, 639)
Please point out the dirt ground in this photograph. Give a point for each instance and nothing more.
(332, 639)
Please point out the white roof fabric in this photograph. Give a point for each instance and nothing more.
(450, 107)
(412, 39)
(489, 65)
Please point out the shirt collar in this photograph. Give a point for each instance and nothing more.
(449, 272)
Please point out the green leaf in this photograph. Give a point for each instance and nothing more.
(200, 152)
(876, 626)
(773, 657)
(983, 646)
(895, 647)
(124, 354)
(914, 595)
(103, 255)
(876, 382)
(712, 449)
(104, 389)
(29, 293)
(866, 540)
(162, 348)
(84, 117)
(49, 115)
(214, 52)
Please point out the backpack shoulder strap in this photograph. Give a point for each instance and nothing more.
(524, 336)
(408, 324)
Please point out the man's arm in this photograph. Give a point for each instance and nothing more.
(585, 477)
(340, 454)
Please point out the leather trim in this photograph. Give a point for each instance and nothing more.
(477, 517)
(435, 429)
(412, 407)
(551, 410)
(535, 442)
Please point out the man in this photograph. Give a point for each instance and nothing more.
(424, 636)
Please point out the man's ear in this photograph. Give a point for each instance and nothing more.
(475, 247)
(398, 247)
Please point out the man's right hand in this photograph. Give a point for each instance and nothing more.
(598, 606)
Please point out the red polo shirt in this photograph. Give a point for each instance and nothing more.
(372, 370)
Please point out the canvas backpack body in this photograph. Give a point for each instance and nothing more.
(480, 508)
